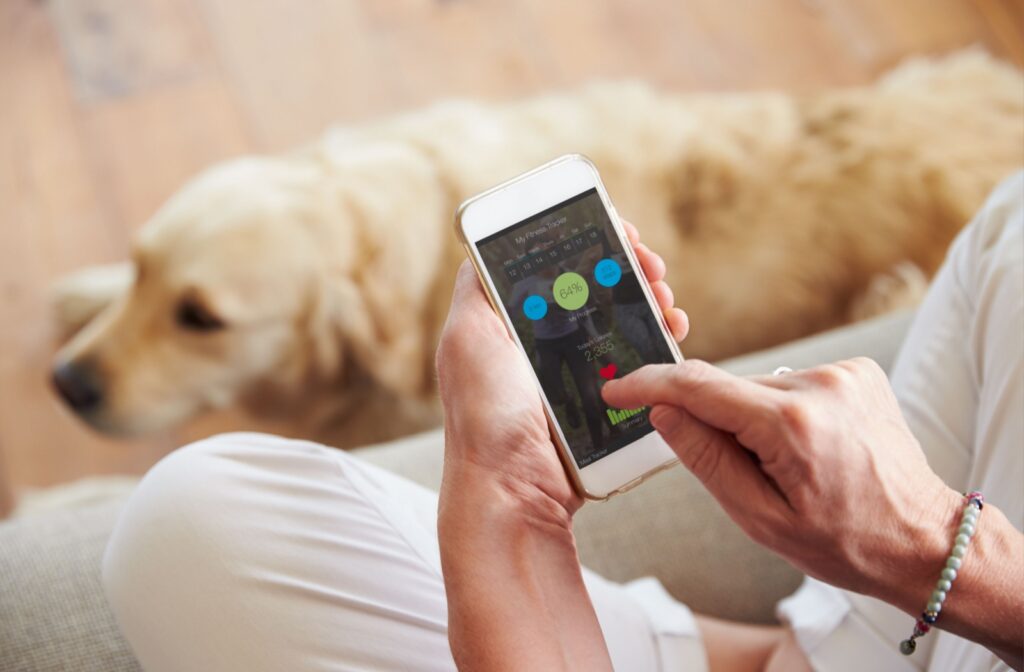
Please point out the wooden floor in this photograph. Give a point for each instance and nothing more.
(106, 106)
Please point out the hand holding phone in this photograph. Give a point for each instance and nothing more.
(559, 269)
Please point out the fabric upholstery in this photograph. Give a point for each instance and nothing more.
(54, 616)
(669, 527)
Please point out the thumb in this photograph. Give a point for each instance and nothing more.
(718, 461)
(469, 302)
(468, 293)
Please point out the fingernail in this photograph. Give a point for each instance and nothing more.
(665, 419)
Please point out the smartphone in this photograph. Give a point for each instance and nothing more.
(556, 264)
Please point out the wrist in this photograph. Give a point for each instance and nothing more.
(478, 497)
(981, 599)
(506, 558)
(926, 545)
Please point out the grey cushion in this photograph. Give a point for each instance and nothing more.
(53, 615)
(669, 527)
(878, 338)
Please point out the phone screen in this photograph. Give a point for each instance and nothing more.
(582, 317)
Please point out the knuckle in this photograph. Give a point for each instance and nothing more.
(866, 365)
(445, 344)
(693, 369)
(796, 418)
(440, 356)
(454, 342)
(465, 341)
(831, 376)
(790, 469)
(441, 359)
(804, 499)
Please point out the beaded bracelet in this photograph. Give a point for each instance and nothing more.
(968, 524)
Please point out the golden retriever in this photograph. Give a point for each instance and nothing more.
(313, 285)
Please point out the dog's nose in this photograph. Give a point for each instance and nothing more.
(78, 385)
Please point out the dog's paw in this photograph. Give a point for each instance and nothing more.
(77, 298)
(902, 287)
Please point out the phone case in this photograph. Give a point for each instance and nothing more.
(564, 453)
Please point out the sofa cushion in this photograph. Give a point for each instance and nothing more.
(670, 527)
(878, 338)
(53, 614)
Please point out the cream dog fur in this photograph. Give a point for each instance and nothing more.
(313, 285)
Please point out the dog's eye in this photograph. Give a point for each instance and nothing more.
(194, 316)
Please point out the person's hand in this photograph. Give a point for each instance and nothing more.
(495, 426)
(817, 465)
(505, 511)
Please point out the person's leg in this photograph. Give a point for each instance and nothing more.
(632, 321)
(960, 375)
(549, 364)
(250, 552)
(743, 647)
(584, 377)
(960, 382)
(550, 355)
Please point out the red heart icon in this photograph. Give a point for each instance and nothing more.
(608, 372)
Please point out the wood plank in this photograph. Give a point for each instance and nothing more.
(1005, 22)
(6, 496)
(55, 219)
(82, 171)
(741, 49)
(117, 48)
(145, 147)
(109, 106)
(295, 68)
(480, 50)
(880, 33)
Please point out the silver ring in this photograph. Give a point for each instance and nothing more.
(781, 370)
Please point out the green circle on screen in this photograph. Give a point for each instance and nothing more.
(571, 291)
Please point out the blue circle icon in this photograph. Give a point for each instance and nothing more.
(607, 273)
(535, 307)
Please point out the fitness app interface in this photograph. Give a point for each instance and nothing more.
(581, 315)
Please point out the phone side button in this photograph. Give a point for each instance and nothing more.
(632, 484)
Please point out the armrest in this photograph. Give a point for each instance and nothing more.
(53, 614)
(879, 338)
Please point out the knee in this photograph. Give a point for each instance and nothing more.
(166, 517)
(997, 225)
(194, 515)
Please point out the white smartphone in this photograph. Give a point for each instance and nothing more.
(558, 268)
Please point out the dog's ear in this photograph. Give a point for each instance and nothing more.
(383, 293)
(357, 328)
(77, 298)
(377, 303)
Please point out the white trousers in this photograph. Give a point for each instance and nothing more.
(250, 552)
(960, 382)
